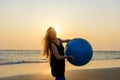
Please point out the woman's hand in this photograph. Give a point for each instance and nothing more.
(71, 57)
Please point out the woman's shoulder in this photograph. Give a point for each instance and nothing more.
(54, 43)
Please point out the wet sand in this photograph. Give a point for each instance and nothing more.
(95, 70)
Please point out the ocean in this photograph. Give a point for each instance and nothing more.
(10, 57)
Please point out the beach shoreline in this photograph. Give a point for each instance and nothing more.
(94, 70)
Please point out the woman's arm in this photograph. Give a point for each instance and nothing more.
(57, 55)
(65, 41)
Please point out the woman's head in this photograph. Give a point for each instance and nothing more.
(50, 34)
(49, 37)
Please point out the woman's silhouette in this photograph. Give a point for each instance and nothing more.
(54, 50)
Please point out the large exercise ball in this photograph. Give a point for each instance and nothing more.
(80, 49)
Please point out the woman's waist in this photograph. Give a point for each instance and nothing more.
(57, 61)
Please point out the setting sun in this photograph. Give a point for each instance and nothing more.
(57, 28)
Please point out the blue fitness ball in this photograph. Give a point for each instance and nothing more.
(80, 49)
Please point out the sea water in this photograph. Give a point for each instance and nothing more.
(9, 57)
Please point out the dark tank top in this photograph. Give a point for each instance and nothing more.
(57, 66)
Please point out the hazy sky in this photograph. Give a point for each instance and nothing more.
(23, 22)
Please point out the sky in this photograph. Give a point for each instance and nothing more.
(23, 23)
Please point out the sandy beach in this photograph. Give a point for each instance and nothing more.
(95, 70)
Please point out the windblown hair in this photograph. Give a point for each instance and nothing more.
(46, 43)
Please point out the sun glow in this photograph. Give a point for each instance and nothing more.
(57, 28)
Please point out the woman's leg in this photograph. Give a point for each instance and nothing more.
(60, 78)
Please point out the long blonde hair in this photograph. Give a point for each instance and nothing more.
(46, 42)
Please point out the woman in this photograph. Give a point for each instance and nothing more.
(54, 50)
